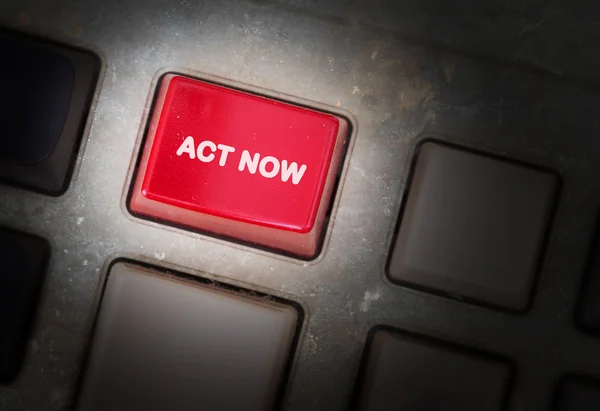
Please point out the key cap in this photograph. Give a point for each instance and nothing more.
(24, 258)
(163, 344)
(239, 165)
(405, 372)
(46, 94)
(589, 306)
(473, 226)
(577, 394)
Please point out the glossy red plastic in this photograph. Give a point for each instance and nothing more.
(240, 165)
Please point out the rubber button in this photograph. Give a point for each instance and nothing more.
(44, 103)
(36, 100)
(406, 372)
(576, 393)
(473, 226)
(162, 343)
(239, 165)
(24, 259)
(589, 306)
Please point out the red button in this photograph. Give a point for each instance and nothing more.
(239, 165)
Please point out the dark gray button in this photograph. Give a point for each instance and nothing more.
(402, 372)
(578, 394)
(23, 261)
(44, 103)
(473, 226)
(35, 98)
(589, 308)
(164, 344)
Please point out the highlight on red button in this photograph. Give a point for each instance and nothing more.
(239, 165)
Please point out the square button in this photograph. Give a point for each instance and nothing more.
(162, 343)
(239, 165)
(473, 226)
(401, 371)
(589, 306)
(577, 394)
(24, 258)
(44, 103)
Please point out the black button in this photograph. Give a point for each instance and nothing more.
(473, 226)
(577, 394)
(38, 87)
(589, 307)
(402, 371)
(44, 103)
(23, 258)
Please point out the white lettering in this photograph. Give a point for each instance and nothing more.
(292, 171)
(187, 147)
(268, 167)
(225, 150)
(263, 167)
(200, 151)
(247, 161)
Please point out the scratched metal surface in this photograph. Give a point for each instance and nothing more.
(514, 77)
